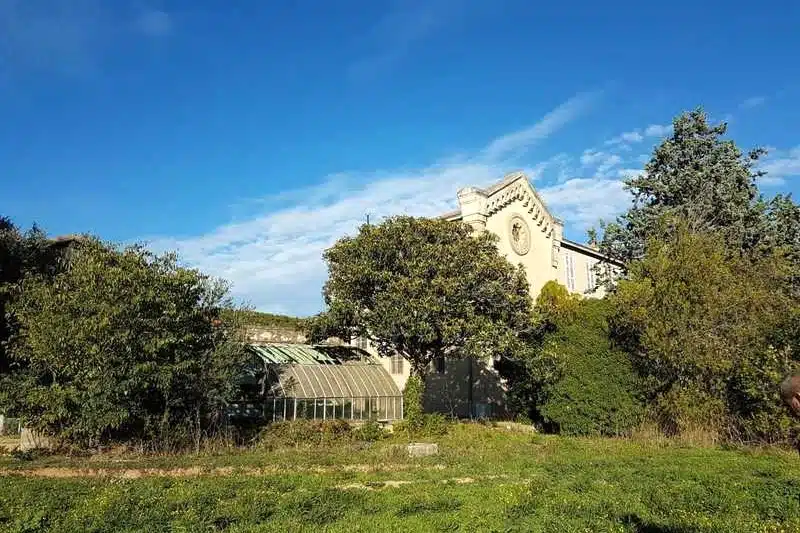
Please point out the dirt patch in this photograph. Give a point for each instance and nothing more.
(374, 485)
(196, 471)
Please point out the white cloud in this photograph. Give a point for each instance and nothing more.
(657, 130)
(274, 259)
(629, 137)
(626, 173)
(602, 162)
(403, 27)
(582, 201)
(752, 102)
(154, 22)
(514, 144)
(779, 165)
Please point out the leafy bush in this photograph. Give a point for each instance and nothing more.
(303, 432)
(412, 399)
(370, 431)
(702, 321)
(121, 345)
(425, 426)
(598, 392)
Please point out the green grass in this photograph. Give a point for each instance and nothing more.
(483, 480)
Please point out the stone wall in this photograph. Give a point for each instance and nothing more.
(265, 334)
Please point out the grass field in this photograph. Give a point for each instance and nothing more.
(484, 479)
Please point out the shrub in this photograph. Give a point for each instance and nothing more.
(370, 431)
(425, 426)
(598, 392)
(303, 432)
(412, 399)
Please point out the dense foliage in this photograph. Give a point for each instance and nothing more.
(424, 288)
(598, 391)
(250, 317)
(20, 253)
(711, 332)
(696, 175)
(120, 344)
(571, 379)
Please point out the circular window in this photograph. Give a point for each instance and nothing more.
(519, 235)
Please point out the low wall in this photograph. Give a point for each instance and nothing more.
(264, 334)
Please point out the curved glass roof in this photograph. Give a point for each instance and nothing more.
(303, 371)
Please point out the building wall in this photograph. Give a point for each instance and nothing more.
(548, 257)
(578, 272)
(447, 387)
(538, 261)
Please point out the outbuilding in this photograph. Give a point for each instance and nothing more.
(290, 381)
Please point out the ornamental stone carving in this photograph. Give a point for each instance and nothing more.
(519, 235)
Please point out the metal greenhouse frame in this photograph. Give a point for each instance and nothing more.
(325, 382)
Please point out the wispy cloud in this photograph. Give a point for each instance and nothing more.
(752, 102)
(404, 26)
(516, 143)
(658, 130)
(627, 137)
(154, 22)
(625, 141)
(274, 259)
(69, 37)
(780, 165)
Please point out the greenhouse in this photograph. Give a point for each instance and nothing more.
(289, 381)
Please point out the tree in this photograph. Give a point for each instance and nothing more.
(706, 328)
(21, 253)
(597, 391)
(531, 371)
(782, 231)
(698, 176)
(122, 344)
(424, 288)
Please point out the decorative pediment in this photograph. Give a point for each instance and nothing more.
(515, 187)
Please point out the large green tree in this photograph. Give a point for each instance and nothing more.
(121, 344)
(710, 331)
(21, 253)
(697, 175)
(425, 288)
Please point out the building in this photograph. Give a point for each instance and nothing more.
(529, 234)
(287, 381)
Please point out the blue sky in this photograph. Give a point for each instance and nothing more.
(251, 135)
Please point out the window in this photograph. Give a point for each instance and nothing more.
(438, 365)
(591, 282)
(397, 364)
(362, 343)
(569, 261)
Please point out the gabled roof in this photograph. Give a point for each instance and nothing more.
(508, 180)
(304, 371)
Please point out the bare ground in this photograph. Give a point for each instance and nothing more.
(195, 471)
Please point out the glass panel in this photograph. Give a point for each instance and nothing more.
(279, 404)
(384, 408)
(268, 409)
(347, 409)
(330, 408)
(358, 408)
